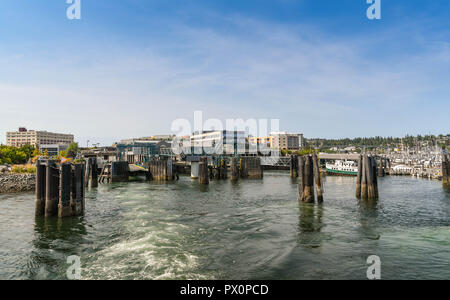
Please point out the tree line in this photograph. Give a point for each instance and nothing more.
(21, 155)
(378, 141)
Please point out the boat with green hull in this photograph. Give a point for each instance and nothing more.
(342, 168)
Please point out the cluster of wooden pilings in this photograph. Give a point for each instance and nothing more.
(120, 171)
(59, 189)
(250, 168)
(308, 173)
(161, 170)
(446, 170)
(244, 167)
(366, 182)
(219, 169)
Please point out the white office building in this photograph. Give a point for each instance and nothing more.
(216, 142)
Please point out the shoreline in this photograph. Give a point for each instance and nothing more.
(17, 183)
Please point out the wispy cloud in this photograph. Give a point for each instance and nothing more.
(314, 82)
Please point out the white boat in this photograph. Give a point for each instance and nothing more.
(340, 167)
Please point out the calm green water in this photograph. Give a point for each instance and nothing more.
(249, 230)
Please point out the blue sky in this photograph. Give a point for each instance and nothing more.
(129, 68)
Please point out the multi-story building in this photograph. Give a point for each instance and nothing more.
(216, 142)
(264, 145)
(280, 141)
(287, 141)
(24, 137)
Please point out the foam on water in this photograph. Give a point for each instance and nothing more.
(254, 229)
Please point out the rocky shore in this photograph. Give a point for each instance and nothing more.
(17, 182)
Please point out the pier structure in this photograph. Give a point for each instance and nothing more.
(161, 170)
(60, 189)
(308, 174)
(250, 168)
(367, 182)
(120, 171)
(221, 167)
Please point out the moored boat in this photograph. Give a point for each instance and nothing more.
(342, 168)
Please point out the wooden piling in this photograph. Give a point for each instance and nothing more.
(445, 170)
(40, 189)
(65, 182)
(369, 174)
(234, 169)
(51, 189)
(161, 170)
(253, 168)
(203, 176)
(294, 166)
(318, 179)
(448, 169)
(120, 171)
(223, 169)
(375, 179)
(309, 180)
(359, 177)
(77, 201)
(93, 176)
(369, 186)
(243, 168)
(215, 172)
(301, 179)
(158, 171)
(170, 176)
(87, 175)
(364, 185)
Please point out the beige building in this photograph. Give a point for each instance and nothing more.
(36, 138)
(280, 141)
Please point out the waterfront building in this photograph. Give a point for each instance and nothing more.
(142, 151)
(287, 141)
(217, 142)
(53, 149)
(279, 141)
(35, 138)
(108, 154)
